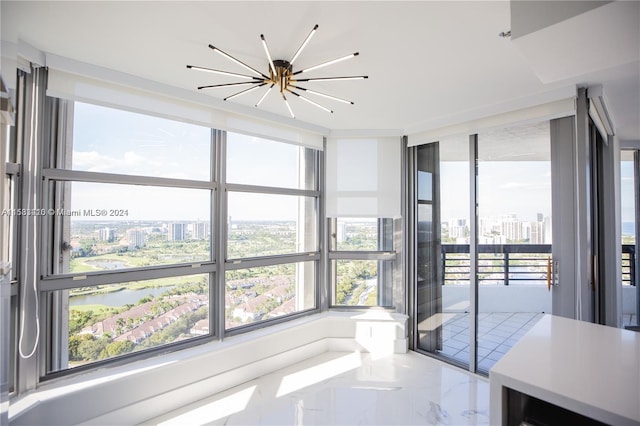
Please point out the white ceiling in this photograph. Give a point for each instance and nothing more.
(429, 63)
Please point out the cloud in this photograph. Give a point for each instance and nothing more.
(93, 161)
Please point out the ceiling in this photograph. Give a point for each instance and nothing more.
(429, 63)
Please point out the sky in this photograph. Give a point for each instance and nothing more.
(113, 141)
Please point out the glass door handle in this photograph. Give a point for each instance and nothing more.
(549, 273)
(552, 273)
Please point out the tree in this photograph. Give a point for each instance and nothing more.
(90, 349)
(117, 348)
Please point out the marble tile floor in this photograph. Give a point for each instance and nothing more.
(497, 333)
(340, 388)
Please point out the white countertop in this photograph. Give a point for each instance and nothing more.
(586, 368)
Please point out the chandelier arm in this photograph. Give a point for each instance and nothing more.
(231, 58)
(230, 84)
(243, 91)
(324, 64)
(288, 106)
(265, 94)
(304, 43)
(211, 70)
(310, 101)
(355, 77)
(266, 50)
(324, 95)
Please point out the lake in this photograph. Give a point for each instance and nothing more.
(117, 298)
(107, 264)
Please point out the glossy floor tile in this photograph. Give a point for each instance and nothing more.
(348, 389)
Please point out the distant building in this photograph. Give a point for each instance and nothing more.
(176, 232)
(512, 230)
(135, 238)
(537, 233)
(200, 230)
(547, 230)
(457, 228)
(107, 234)
(200, 328)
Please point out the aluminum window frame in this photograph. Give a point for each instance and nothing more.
(314, 180)
(54, 286)
(389, 252)
(48, 364)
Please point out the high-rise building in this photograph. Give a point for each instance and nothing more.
(547, 230)
(537, 233)
(176, 231)
(457, 228)
(512, 230)
(135, 238)
(107, 234)
(199, 230)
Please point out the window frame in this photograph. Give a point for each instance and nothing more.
(55, 287)
(312, 157)
(388, 276)
(10, 253)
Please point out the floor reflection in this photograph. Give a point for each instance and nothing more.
(398, 389)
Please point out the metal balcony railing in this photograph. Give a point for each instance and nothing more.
(497, 263)
(628, 264)
(513, 263)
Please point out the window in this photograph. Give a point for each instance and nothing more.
(362, 261)
(146, 217)
(9, 192)
(272, 248)
(130, 261)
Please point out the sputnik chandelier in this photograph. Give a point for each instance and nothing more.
(281, 74)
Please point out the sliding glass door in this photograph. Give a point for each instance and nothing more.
(514, 236)
(481, 273)
(630, 216)
(443, 287)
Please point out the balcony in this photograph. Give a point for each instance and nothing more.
(512, 296)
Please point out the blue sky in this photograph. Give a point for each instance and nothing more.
(112, 141)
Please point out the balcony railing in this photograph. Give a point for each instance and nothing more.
(628, 264)
(497, 263)
(513, 263)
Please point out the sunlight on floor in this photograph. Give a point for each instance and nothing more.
(347, 388)
(216, 410)
(312, 375)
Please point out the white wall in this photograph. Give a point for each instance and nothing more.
(628, 299)
(499, 298)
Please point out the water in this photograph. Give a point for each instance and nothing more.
(107, 264)
(117, 298)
